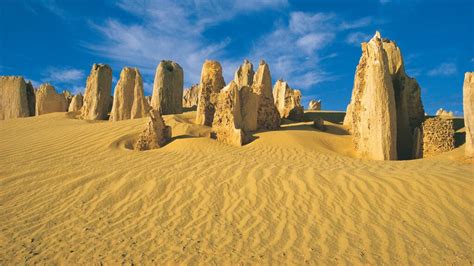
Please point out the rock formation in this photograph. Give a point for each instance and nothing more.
(168, 88)
(288, 101)
(49, 101)
(248, 108)
(438, 136)
(318, 123)
(129, 101)
(97, 98)
(468, 104)
(76, 103)
(15, 97)
(227, 123)
(386, 104)
(148, 99)
(314, 105)
(190, 97)
(268, 116)
(209, 87)
(444, 114)
(68, 95)
(244, 74)
(31, 97)
(156, 133)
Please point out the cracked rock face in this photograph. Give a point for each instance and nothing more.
(49, 101)
(468, 105)
(268, 116)
(227, 123)
(156, 133)
(210, 85)
(288, 101)
(129, 100)
(97, 100)
(168, 88)
(386, 106)
(17, 98)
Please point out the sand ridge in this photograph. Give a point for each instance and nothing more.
(71, 192)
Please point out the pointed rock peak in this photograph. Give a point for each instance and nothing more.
(262, 62)
(246, 61)
(377, 34)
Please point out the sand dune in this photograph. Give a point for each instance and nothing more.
(72, 192)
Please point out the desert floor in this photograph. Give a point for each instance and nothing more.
(72, 192)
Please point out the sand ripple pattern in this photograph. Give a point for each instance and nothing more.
(71, 194)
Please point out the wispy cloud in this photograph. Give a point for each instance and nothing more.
(50, 5)
(445, 69)
(293, 47)
(356, 38)
(63, 75)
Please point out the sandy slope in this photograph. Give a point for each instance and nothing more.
(71, 192)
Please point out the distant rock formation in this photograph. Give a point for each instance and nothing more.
(244, 74)
(129, 101)
(16, 97)
(148, 99)
(288, 101)
(227, 123)
(97, 98)
(190, 97)
(209, 87)
(168, 88)
(437, 135)
(268, 116)
(76, 103)
(49, 101)
(444, 114)
(318, 123)
(468, 104)
(386, 104)
(314, 105)
(68, 95)
(156, 133)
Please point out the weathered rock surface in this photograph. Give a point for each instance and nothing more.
(248, 108)
(168, 88)
(468, 105)
(386, 104)
(227, 123)
(14, 97)
(268, 116)
(156, 133)
(49, 101)
(244, 74)
(148, 99)
(129, 100)
(76, 103)
(438, 136)
(97, 98)
(444, 113)
(190, 97)
(68, 95)
(288, 101)
(314, 105)
(209, 87)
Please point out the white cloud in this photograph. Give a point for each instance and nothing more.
(292, 48)
(445, 69)
(63, 75)
(356, 38)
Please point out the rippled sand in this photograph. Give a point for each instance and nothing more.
(71, 192)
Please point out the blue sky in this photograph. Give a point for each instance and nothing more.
(314, 45)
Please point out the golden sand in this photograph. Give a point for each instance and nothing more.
(71, 192)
